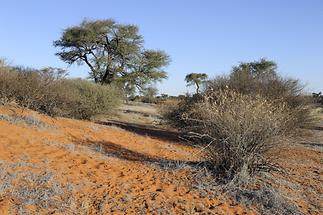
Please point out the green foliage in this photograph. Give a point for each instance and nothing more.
(92, 99)
(261, 69)
(195, 79)
(114, 53)
(258, 77)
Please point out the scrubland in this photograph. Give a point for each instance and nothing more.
(246, 144)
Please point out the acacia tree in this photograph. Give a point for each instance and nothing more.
(195, 79)
(113, 52)
(252, 77)
(262, 69)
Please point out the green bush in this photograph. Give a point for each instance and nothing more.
(49, 92)
(92, 99)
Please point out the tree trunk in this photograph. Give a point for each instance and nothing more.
(107, 77)
(197, 88)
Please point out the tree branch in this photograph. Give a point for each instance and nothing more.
(84, 57)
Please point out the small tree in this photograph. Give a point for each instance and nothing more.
(195, 79)
(113, 52)
(250, 77)
(318, 97)
(149, 94)
(261, 69)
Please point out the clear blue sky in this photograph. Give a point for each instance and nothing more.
(207, 36)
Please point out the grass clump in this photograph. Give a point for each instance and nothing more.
(30, 188)
(28, 120)
(268, 200)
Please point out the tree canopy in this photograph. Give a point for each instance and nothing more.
(195, 79)
(113, 52)
(257, 69)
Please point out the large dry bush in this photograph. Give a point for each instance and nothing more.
(261, 78)
(49, 92)
(255, 79)
(242, 132)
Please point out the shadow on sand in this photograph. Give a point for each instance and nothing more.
(120, 152)
(311, 144)
(150, 131)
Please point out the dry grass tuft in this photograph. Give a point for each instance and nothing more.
(28, 120)
(29, 188)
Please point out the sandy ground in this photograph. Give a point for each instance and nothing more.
(136, 113)
(64, 166)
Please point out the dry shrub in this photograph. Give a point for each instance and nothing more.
(241, 121)
(268, 200)
(173, 111)
(242, 132)
(167, 106)
(260, 78)
(49, 92)
(254, 79)
(243, 118)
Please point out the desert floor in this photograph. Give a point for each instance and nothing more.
(128, 164)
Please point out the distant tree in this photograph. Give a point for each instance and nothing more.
(261, 69)
(149, 94)
(163, 95)
(318, 97)
(195, 79)
(248, 76)
(113, 52)
(262, 66)
(50, 74)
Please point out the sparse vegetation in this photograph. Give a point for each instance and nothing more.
(29, 188)
(241, 132)
(28, 120)
(249, 142)
(261, 78)
(241, 122)
(49, 92)
(268, 201)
